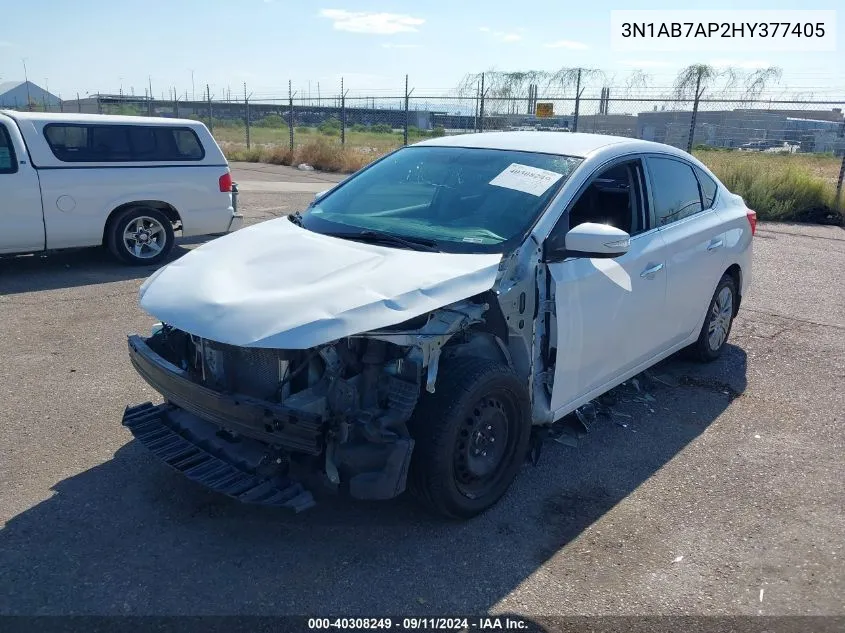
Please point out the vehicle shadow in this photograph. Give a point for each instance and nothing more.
(78, 267)
(132, 537)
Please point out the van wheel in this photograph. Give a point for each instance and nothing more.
(141, 236)
(471, 437)
(717, 324)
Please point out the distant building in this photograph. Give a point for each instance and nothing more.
(20, 94)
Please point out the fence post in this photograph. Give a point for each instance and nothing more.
(577, 102)
(290, 114)
(210, 113)
(481, 106)
(694, 113)
(246, 107)
(405, 131)
(838, 199)
(342, 114)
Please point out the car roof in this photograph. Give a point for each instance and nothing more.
(565, 143)
(72, 117)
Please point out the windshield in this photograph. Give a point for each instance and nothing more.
(464, 200)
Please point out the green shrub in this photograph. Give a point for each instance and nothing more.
(271, 120)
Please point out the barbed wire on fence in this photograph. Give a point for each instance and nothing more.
(692, 113)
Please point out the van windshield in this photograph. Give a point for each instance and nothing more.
(463, 200)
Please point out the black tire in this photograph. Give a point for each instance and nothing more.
(152, 219)
(450, 427)
(707, 348)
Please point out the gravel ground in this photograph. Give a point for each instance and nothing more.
(723, 496)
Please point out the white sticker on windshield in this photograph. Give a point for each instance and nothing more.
(525, 178)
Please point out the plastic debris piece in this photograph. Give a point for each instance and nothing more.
(305, 167)
(678, 559)
(586, 414)
(567, 440)
(663, 379)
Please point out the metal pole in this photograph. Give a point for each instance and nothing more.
(210, 113)
(246, 105)
(290, 112)
(78, 103)
(838, 199)
(481, 106)
(405, 131)
(342, 114)
(150, 102)
(694, 113)
(577, 102)
(175, 104)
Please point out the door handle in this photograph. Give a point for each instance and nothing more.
(714, 244)
(648, 272)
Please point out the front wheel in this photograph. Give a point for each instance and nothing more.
(141, 236)
(717, 324)
(471, 437)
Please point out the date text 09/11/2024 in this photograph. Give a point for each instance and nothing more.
(481, 623)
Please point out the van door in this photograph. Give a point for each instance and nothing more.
(21, 213)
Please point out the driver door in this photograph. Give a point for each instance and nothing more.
(607, 310)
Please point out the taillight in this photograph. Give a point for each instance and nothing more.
(226, 182)
(752, 220)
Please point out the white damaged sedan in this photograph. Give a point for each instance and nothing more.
(417, 324)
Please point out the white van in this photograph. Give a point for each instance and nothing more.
(76, 180)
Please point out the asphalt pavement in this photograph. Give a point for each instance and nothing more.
(720, 493)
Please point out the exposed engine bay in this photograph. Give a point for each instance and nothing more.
(339, 410)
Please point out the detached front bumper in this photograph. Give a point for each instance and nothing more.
(192, 447)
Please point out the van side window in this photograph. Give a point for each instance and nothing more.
(74, 143)
(674, 188)
(8, 161)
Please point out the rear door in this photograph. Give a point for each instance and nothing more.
(694, 235)
(21, 219)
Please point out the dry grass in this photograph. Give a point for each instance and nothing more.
(778, 186)
(322, 153)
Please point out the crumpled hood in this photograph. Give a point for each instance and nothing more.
(277, 285)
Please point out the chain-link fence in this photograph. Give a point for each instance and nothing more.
(356, 129)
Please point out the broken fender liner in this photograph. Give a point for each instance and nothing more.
(151, 425)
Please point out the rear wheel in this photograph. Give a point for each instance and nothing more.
(471, 437)
(141, 236)
(717, 324)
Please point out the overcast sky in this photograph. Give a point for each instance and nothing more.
(99, 46)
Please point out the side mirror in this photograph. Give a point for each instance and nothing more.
(588, 240)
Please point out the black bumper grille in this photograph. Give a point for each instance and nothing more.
(152, 427)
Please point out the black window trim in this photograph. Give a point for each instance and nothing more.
(174, 128)
(698, 171)
(4, 131)
(645, 194)
(650, 178)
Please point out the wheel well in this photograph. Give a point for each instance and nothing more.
(168, 209)
(736, 274)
